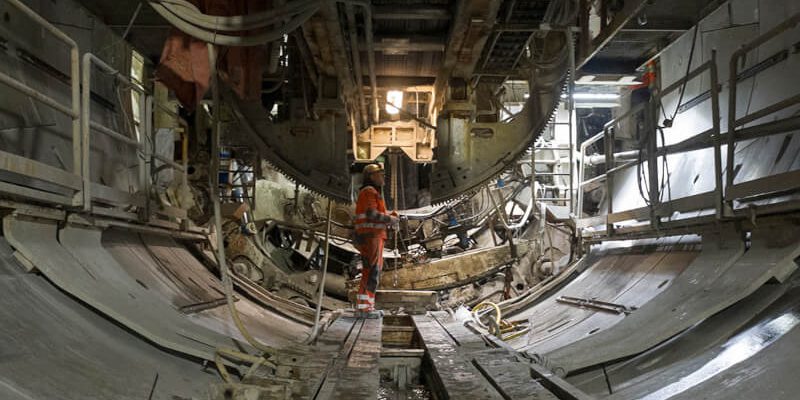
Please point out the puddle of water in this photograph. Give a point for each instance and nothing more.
(412, 393)
(736, 350)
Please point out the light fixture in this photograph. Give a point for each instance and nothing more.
(394, 100)
(595, 96)
(591, 80)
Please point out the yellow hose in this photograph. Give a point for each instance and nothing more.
(489, 303)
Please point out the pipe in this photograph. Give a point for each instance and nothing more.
(373, 79)
(227, 283)
(86, 123)
(228, 40)
(315, 331)
(356, 54)
(189, 13)
(600, 159)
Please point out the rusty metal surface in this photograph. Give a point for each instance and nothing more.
(450, 271)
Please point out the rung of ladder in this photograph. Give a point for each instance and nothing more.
(552, 199)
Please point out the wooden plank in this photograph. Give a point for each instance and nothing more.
(354, 374)
(511, 377)
(455, 376)
(412, 301)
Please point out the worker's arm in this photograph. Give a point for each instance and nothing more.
(374, 215)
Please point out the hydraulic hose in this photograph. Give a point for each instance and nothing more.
(220, 39)
(315, 331)
(191, 14)
(227, 282)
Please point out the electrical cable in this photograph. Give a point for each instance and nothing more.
(253, 20)
(688, 69)
(214, 37)
(323, 272)
(227, 283)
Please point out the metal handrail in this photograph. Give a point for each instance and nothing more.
(733, 80)
(87, 125)
(73, 109)
(608, 133)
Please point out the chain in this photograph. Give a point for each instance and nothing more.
(396, 251)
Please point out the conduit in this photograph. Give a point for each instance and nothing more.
(213, 176)
(214, 37)
(315, 331)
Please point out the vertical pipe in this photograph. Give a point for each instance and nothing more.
(373, 79)
(315, 331)
(718, 198)
(651, 129)
(732, 82)
(213, 180)
(85, 100)
(140, 153)
(148, 155)
(571, 108)
(608, 139)
(356, 58)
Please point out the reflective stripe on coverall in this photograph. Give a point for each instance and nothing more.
(370, 235)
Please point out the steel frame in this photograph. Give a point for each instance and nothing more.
(84, 191)
(722, 197)
(35, 169)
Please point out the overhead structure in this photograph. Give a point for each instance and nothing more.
(456, 126)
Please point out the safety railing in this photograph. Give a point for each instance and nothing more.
(783, 182)
(182, 168)
(93, 190)
(37, 170)
(646, 112)
(740, 128)
(47, 184)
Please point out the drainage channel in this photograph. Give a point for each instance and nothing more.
(401, 361)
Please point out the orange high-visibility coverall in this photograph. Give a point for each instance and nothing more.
(370, 225)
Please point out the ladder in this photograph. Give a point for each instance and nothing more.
(562, 192)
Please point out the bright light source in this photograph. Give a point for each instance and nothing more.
(595, 96)
(525, 95)
(394, 98)
(591, 80)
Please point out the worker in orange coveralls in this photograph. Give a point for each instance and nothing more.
(371, 224)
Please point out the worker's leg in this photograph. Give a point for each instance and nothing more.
(362, 298)
(372, 263)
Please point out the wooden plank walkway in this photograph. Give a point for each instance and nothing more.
(464, 364)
